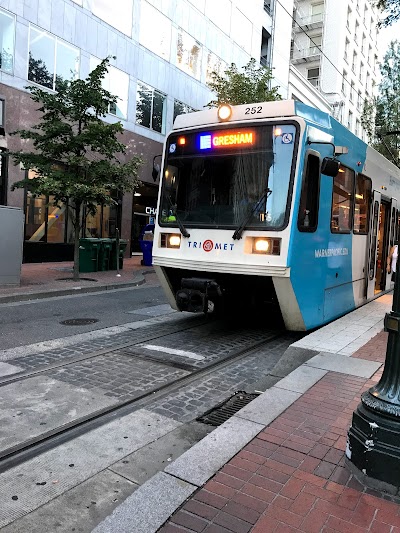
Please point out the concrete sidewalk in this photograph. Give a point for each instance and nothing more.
(45, 280)
(279, 463)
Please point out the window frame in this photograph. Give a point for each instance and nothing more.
(369, 203)
(301, 227)
(56, 40)
(351, 208)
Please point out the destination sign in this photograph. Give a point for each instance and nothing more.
(226, 138)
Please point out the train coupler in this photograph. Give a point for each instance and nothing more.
(198, 295)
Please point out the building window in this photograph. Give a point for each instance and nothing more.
(344, 82)
(346, 50)
(354, 63)
(118, 15)
(117, 83)
(359, 100)
(7, 31)
(352, 92)
(361, 71)
(268, 6)
(189, 53)
(150, 108)
(350, 120)
(357, 128)
(363, 44)
(265, 55)
(367, 83)
(181, 109)
(369, 54)
(313, 76)
(214, 64)
(51, 60)
(342, 201)
(348, 18)
(155, 31)
(356, 30)
(317, 12)
(315, 44)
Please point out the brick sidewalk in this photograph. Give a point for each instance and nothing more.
(293, 476)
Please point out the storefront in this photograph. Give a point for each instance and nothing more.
(143, 212)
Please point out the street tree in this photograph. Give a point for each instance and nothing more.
(391, 12)
(251, 85)
(78, 159)
(381, 114)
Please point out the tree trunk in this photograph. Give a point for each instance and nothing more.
(77, 228)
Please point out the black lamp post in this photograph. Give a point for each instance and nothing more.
(374, 437)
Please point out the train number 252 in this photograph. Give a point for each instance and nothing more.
(253, 110)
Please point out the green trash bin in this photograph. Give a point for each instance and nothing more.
(113, 259)
(88, 255)
(105, 250)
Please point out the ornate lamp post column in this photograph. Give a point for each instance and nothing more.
(374, 437)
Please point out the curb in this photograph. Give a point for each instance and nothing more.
(138, 280)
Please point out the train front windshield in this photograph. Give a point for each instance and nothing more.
(222, 177)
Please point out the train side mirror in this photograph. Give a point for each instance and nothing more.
(330, 166)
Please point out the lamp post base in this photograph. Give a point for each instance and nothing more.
(373, 441)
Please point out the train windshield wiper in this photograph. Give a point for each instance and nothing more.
(182, 228)
(239, 230)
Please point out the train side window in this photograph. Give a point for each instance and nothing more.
(309, 200)
(362, 204)
(342, 201)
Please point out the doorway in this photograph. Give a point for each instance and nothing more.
(382, 246)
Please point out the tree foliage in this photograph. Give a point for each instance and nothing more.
(76, 156)
(391, 11)
(381, 114)
(250, 86)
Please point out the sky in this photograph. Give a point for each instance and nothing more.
(385, 36)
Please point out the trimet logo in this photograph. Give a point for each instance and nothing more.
(208, 245)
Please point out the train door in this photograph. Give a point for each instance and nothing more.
(392, 234)
(371, 255)
(383, 243)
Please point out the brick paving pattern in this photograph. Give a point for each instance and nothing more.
(293, 476)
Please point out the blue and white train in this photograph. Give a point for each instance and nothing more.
(273, 202)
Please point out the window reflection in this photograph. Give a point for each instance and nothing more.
(214, 64)
(189, 54)
(362, 203)
(117, 83)
(150, 108)
(181, 109)
(342, 201)
(7, 30)
(155, 31)
(51, 60)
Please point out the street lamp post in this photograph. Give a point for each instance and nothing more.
(373, 444)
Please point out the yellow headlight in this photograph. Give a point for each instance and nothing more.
(224, 112)
(175, 241)
(261, 245)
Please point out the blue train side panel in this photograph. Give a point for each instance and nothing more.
(321, 261)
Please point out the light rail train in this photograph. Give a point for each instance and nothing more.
(273, 202)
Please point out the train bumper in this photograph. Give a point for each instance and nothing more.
(198, 295)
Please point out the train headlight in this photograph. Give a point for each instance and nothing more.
(170, 240)
(265, 246)
(174, 241)
(224, 112)
(261, 246)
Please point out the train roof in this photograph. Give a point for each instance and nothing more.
(280, 108)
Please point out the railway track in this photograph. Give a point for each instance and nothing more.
(11, 456)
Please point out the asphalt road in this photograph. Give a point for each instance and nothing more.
(35, 321)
